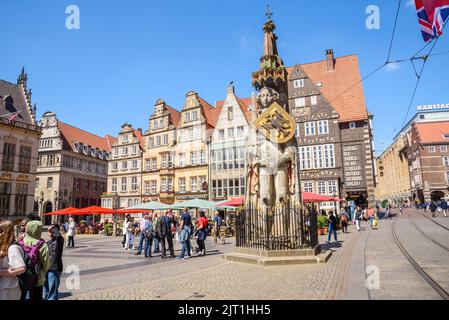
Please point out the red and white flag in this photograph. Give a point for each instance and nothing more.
(432, 15)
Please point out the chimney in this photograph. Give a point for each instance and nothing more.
(330, 61)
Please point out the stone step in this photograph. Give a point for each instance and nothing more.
(272, 261)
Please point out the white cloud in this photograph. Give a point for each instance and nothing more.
(410, 3)
(392, 66)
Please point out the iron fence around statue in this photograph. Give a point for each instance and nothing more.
(287, 228)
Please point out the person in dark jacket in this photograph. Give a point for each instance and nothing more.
(164, 227)
(433, 208)
(53, 276)
(332, 226)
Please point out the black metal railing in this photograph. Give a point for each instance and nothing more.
(287, 228)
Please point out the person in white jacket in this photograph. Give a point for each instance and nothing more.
(129, 227)
(71, 232)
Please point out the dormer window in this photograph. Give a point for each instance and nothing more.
(85, 149)
(352, 125)
(298, 83)
(230, 113)
(446, 135)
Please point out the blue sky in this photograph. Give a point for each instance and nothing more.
(128, 54)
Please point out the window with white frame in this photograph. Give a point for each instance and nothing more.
(230, 133)
(170, 184)
(240, 131)
(193, 158)
(151, 142)
(300, 102)
(194, 115)
(182, 185)
(134, 185)
(323, 127)
(187, 117)
(164, 162)
(317, 157)
(352, 125)
(165, 139)
(158, 141)
(203, 157)
(197, 133)
(124, 151)
(156, 125)
(443, 148)
(134, 150)
(446, 161)
(321, 187)
(298, 83)
(202, 180)
(124, 165)
(147, 165)
(114, 184)
(221, 135)
(182, 159)
(308, 186)
(123, 186)
(146, 187)
(163, 184)
(114, 166)
(153, 186)
(191, 134)
(135, 164)
(332, 188)
(115, 152)
(431, 149)
(193, 184)
(171, 160)
(309, 129)
(154, 164)
(313, 100)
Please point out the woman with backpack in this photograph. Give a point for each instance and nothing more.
(53, 277)
(11, 263)
(37, 262)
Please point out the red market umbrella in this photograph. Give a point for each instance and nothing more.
(125, 211)
(63, 212)
(309, 197)
(94, 210)
(233, 203)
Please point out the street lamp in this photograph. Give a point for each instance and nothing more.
(41, 205)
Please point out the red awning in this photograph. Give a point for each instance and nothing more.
(94, 210)
(63, 212)
(237, 202)
(314, 197)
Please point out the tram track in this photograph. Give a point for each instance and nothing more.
(437, 223)
(412, 221)
(440, 290)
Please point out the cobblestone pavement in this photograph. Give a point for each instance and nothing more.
(109, 272)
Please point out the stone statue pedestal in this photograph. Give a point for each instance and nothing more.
(281, 257)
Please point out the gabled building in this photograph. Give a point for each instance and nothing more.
(334, 129)
(228, 146)
(19, 140)
(193, 135)
(159, 156)
(72, 166)
(124, 187)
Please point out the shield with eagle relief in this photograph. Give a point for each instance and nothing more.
(276, 124)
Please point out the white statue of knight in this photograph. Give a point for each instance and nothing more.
(270, 177)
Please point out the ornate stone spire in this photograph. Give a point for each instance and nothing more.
(272, 72)
(23, 78)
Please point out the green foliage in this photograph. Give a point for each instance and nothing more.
(108, 229)
(322, 222)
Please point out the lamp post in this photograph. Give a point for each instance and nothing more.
(41, 205)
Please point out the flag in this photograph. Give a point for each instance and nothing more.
(432, 14)
(11, 116)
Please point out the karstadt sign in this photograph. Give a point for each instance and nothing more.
(433, 107)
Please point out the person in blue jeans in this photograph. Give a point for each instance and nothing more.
(332, 226)
(184, 237)
(143, 225)
(53, 276)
